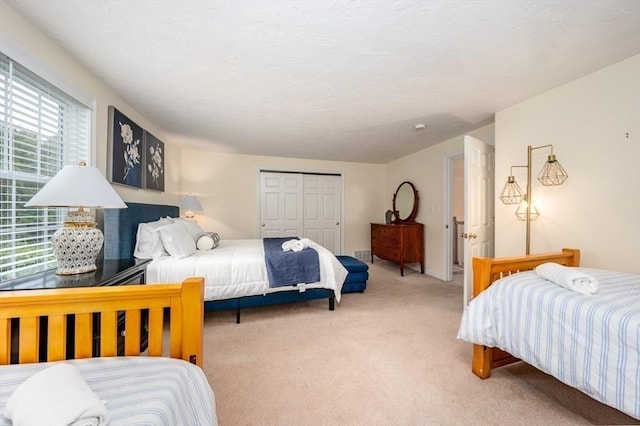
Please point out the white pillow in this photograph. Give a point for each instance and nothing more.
(192, 226)
(177, 240)
(148, 244)
(208, 241)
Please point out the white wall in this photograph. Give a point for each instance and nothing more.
(598, 208)
(228, 188)
(586, 120)
(25, 43)
(425, 169)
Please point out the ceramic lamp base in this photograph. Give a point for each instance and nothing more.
(76, 248)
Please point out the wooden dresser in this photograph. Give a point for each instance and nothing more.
(400, 243)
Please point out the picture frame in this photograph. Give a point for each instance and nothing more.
(125, 164)
(153, 162)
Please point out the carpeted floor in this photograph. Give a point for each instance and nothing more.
(388, 356)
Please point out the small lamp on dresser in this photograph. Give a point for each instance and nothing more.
(77, 244)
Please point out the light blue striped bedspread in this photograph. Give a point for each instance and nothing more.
(591, 343)
(138, 390)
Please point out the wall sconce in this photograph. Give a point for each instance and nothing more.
(77, 244)
(552, 174)
(190, 204)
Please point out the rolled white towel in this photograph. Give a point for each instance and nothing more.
(287, 245)
(300, 244)
(57, 395)
(569, 278)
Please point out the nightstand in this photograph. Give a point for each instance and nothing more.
(110, 272)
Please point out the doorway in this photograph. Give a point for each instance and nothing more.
(457, 211)
(453, 211)
(477, 233)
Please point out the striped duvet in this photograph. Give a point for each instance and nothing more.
(138, 390)
(591, 343)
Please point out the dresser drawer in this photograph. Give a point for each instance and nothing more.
(392, 254)
(387, 232)
(382, 241)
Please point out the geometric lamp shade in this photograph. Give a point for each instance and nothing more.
(511, 193)
(552, 172)
(521, 211)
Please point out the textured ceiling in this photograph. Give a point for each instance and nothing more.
(334, 80)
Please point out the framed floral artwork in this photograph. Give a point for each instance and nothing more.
(153, 162)
(125, 162)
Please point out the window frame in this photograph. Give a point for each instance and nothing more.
(63, 113)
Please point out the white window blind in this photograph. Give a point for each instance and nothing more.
(41, 130)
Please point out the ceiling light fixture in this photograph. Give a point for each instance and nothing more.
(419, 126)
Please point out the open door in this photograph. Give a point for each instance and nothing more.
(478, 235)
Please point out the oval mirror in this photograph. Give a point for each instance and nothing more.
(405, 203)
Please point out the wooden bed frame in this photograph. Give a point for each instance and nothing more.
(183, 300)
(488, 270)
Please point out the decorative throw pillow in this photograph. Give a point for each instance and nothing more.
(177, 240)
(208, 241)
(148, 244)
(192, 226)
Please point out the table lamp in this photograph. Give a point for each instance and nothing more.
(78, 242)
(190, 204)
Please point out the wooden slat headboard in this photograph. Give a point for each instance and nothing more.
(184, 301)
(487, 270)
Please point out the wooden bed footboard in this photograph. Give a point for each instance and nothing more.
(183, 301)
(485, 272)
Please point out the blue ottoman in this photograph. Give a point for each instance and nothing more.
(358, 274)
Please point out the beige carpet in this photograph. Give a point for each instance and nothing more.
(388, 356)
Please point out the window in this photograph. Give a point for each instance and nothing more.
(41, 130)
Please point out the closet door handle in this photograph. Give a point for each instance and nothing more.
(263, 224)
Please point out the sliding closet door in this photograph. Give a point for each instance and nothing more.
(302, 205)
(322, 195)
(281, 204)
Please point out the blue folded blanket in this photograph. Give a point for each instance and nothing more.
(289, 267)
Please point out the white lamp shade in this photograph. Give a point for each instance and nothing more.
(190, 203)
(77, 186)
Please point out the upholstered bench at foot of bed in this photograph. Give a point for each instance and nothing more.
(358, 274)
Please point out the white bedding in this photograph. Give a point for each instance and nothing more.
(138, 390)
(236, 268)
(590, 342)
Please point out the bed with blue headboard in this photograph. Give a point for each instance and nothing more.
(120, 230)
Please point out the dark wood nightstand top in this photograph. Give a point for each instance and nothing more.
(109, 272)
